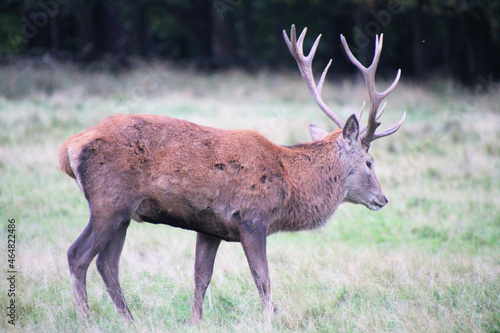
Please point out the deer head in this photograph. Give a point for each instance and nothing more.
(361, 183)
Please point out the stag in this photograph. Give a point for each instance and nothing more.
(231, 185)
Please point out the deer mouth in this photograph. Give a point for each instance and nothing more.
(375, 205)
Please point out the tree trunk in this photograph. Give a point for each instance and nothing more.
(85, 45)
(479, 41)
(447, 46)
(223, 38)
(139, 38)
(201, 32)
(249, 37)
(417, 40)
(280, 49)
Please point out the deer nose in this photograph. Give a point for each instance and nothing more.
(386, 201)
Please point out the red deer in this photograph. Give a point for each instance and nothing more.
(231, 185)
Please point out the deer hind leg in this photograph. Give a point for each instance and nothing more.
(108, 265)
(206, 249)
(79, 260)
(94, 238)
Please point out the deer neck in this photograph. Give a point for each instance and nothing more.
(315, 172)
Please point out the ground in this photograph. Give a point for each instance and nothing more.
(428, 261)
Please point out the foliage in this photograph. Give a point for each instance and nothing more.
(457, 38)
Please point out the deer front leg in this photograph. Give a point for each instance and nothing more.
(206, 249)
(253, 239)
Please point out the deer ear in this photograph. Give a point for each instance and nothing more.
(316, 132)
(350, 131)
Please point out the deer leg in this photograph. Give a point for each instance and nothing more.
(108, 266)
(253, 239)
(79, 262)
(206, 249)
(93, 240)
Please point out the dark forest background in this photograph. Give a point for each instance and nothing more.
(454, 38)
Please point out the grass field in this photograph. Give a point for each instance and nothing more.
(428, 262)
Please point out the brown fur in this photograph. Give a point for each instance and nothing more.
(226, 185)
(152, 165)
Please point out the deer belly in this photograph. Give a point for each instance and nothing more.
(180, 214)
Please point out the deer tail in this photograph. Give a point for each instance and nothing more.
(64, 162)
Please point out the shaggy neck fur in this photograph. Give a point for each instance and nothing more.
(317, 174)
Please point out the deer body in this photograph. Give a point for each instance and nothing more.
(170, 171)
(232, 185)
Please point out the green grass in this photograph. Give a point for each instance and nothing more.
(429, 261)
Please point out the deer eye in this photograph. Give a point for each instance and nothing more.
(369, 164)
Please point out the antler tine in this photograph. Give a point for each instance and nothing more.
(390, 130)
(361, 111)
(391, 87)
(323, 76)
(379, 42)
(350, 55)
(375, 97)
(305, 67)
(381, 110)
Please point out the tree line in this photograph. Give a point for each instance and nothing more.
(457, 38)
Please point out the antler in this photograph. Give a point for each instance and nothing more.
(305, 66)
(305, 62)
(375, 97)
